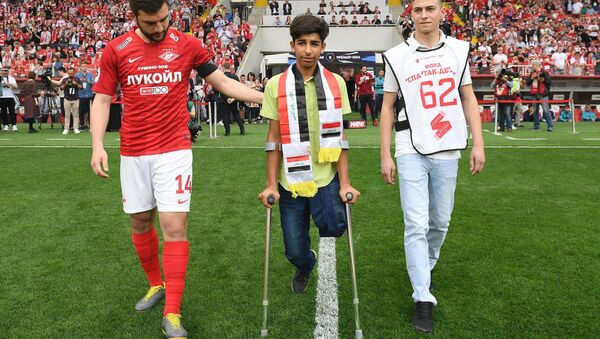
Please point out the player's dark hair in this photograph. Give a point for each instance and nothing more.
(148, 6)
(31, 75)
(62, 69)
(307, 24)
(226, 65)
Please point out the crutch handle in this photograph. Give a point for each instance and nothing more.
(271, 199)
(349, 196)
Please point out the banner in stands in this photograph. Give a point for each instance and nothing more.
(355, 58)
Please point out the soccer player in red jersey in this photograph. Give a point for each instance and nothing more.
(152, 63)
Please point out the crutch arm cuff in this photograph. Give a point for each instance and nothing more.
(345, 145)
(272, 146)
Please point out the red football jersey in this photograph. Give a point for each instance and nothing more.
(154, 84)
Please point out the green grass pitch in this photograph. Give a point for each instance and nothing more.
(521, 258)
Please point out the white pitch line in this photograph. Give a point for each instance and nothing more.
(326, 309)
(591, 139)
(526, 139)
(5, 139)
(61, 139)
(541, 147)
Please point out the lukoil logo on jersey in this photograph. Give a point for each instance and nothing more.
(153, 78)
(157, 90)
(168, 56)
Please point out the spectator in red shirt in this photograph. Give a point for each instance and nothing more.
(364, 88)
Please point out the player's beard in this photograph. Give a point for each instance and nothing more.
(155, 37)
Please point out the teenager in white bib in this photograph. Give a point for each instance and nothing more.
(429, 76)
(307, 161)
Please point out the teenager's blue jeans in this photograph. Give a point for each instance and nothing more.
(427, 196)
(328, 213)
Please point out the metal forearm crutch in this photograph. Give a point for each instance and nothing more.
(358, 332)
(264, 331)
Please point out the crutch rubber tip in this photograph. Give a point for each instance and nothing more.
(359, 334)
(264, 333)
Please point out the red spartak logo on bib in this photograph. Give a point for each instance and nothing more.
(440, 126)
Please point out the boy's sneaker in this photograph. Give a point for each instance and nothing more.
(15, 128)
(422, 320)
(152, 297)
(172, 328)
(65, 132)
(5, 128)
(76, 131)
(375, 122)
(300, 279)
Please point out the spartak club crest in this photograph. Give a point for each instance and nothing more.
(168, 56)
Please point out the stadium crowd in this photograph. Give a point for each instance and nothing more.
(561, 35)
(39, 35)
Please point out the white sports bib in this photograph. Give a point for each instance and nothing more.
(429, 81)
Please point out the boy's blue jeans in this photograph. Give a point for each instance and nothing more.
(328, 213)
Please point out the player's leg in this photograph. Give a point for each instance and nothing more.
(139, 203)
(172, 183)
(145, 241)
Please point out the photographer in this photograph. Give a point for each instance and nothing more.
(49, 100)
(539, 83)
(62, 74)
(7, 100)
(71, 86)
(502, 89)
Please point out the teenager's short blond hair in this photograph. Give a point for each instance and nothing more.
(441, 2)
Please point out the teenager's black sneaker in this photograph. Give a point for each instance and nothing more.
(300, 281)
(422, 320)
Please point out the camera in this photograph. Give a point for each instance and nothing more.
(508, 74)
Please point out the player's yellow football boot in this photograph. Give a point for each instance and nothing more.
(172, 327)
(152, 297)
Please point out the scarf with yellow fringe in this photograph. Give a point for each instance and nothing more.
(293, 122)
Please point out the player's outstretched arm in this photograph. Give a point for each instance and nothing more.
(233, 89)
(386, 124)
(98, 122)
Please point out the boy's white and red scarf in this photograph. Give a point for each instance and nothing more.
(293, 122)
